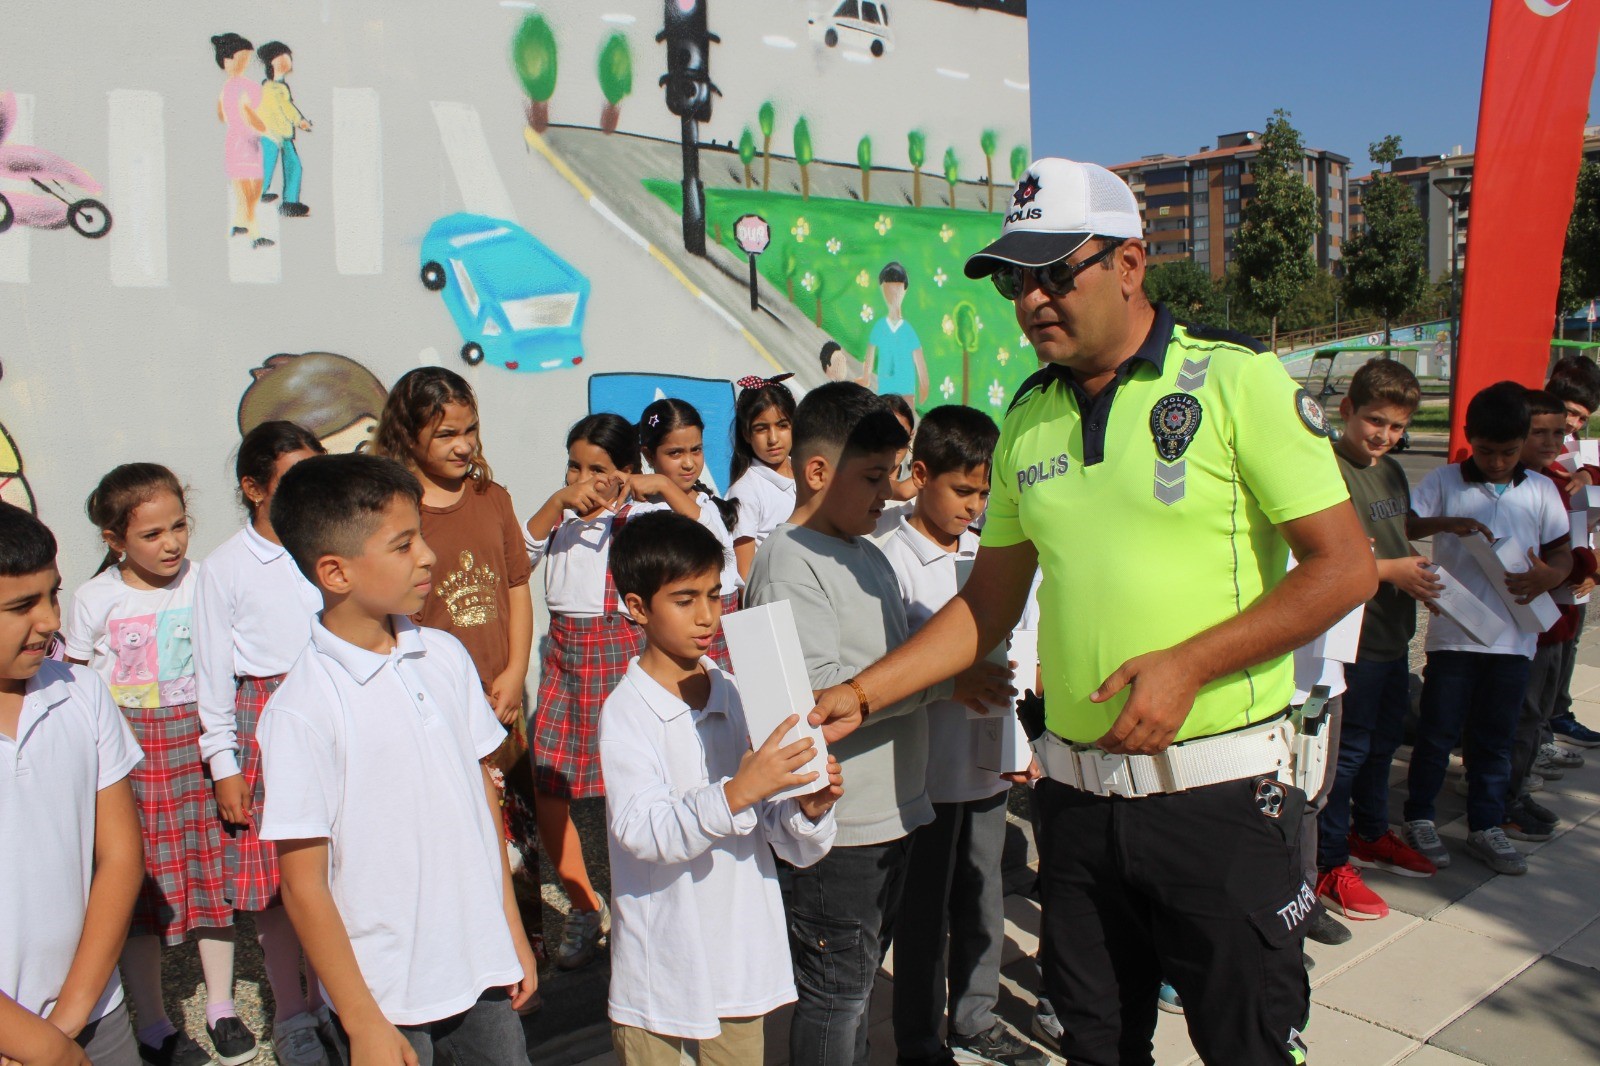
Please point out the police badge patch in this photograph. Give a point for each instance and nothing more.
(1174, 421)
(1311, 413)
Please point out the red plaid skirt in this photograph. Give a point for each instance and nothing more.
(584, 659)
(252, 863)
(719, 643)
(183, 885)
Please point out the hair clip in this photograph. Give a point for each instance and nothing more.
(756, 381)
(655, 420)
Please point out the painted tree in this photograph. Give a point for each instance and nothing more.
(1580, 263)
(813, 279)
(952, 173)
(965, 317)
(988, 141)
(917, 153)
(1273, 246)
(864, 161)
(533, 57)
(616, 78)
(791, 269)
(747, 154)
(802, 154)
(1019, 162)
(1385, 268)
(766, 118)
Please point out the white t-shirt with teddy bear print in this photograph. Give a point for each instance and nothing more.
(138, 640)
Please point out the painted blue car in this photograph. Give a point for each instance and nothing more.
(516, 303)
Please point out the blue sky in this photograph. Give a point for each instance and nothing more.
(1113, 80)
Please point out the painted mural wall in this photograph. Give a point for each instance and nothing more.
(211, 216)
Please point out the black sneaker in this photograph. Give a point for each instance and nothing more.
(268, 197)
(293, 209)
(1328, 930)
(997, 1047)
(1536, 810)
(234, 1043)
(176, 1050)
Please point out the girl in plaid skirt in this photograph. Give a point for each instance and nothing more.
(671, 438)
(585, 654)
(253, 611)
(132, 624)
(480, 590)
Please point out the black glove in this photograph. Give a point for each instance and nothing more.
(1030, 709)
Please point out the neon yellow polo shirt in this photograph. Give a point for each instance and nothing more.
(1152, 507)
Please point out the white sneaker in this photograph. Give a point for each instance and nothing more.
(1423, 837)
(1533, 783)
(295, 1041)
(1491, 847)
(580, 937)
(1561, 755)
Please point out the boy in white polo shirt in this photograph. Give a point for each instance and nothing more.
(386, 821)
(71, 855)
(954, 900)
(699, 948)
(1470, 692)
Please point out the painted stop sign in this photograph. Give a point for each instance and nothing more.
(753, 234)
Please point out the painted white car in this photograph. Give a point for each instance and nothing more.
(861, 24)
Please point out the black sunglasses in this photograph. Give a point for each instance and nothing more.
(1056, 279)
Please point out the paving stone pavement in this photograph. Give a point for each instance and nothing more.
(1468, 967)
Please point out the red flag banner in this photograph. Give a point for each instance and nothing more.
(1537, 72)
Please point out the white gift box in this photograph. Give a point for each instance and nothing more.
(769, 668)
(1496, 561)
(1459, 605)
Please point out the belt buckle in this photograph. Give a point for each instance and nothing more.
(1115, 774)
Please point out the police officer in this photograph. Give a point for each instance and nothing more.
(1158, 473)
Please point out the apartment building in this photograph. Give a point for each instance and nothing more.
(1193, 204)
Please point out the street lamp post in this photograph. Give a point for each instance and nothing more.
(1454, 188)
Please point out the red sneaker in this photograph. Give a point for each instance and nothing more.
(1342, 888)
(1390, 853)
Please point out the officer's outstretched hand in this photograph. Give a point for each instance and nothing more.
(1162, 688)
(838, 712)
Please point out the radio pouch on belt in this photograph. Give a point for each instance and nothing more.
(1310, 760)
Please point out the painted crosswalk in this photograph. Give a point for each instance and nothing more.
(467, 149)
(137, 170)
(16, 243)
(357, 182)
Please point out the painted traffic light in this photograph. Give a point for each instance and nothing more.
(688, 77)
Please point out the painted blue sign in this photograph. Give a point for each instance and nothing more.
(629, 394)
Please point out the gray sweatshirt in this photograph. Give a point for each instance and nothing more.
(847, 607)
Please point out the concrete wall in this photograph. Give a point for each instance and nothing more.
(157, 339)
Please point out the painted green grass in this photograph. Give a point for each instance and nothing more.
(826, 255)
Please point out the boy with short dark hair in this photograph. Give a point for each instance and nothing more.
(690, 821)
(1526, 818)
(955, 862)
(1465, 684)
(1353, 828)
(847, 608)
(387, 822)
(71, 854)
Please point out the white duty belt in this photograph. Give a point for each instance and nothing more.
(1263, 750)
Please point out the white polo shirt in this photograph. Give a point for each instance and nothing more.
(252, 618)
(379, 755)
(1530, 511)
(576, 557)
(928, 581)
(72, 741)
(698, 930)
(766, 500)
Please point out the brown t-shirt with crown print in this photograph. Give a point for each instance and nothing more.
(481, 559)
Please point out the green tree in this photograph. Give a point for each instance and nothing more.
(1019, 162)
(917, 153)
(747, 153)
(616, 78)
(1273, 247)
(766, 118)
(802, 154)
(864, 161)
(989, 140)
(1580, 263)
(952, 173)
(965, 317)
(813, 279)
(1385, 266)
(533, 57)
(1188, 290)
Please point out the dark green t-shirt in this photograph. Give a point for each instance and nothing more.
(1382, 498)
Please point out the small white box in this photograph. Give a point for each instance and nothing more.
(1496, 560)
(1459, 605)
(1590, 497)
(1589, 451)
(1000, 744)
(1342, 640)
(769, 668)
(1578, 528)
(1570, 461)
